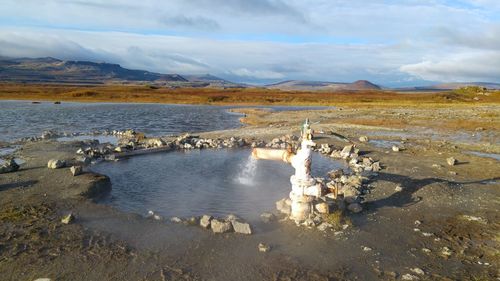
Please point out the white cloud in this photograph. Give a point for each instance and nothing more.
(483, 67)
(258, 74)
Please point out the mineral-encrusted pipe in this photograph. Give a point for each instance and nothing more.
(272, 154)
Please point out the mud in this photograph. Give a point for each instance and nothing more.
(444, 221)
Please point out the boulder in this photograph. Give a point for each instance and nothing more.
(76, 170)
(241, 227)
(395, 148)
(55, 164)
(205, 221)
(220, 226)
(9, 166)
(451, 161)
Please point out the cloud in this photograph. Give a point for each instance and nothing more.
(484, 67)
(198, 22)
(258, 74)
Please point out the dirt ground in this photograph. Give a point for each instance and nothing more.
(442, 225)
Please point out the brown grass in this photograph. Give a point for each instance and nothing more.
(238, 96)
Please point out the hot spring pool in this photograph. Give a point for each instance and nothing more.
(197, 182)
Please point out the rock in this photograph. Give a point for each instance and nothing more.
(241, 227)
(68, 219)
(355, 207)
(175, 219)
(451, 161)
(376, 166)
(43, 279)
(346, 151)
(417, 222)
(409, 277)
(83, 159)
(55, 164)
(333, 174)
(193, 221)
(398, 188)
(205, 221)
(324, 226)
(366, 249)
(283, 206)
(446, 252)
(231, 218)
(264, 248)
(267, 217)
(9, 166)
(426, 250)
(418, 271)
(363, 139)
(453, 173)
(76, 170)
(322, 208)
(220, 226)
(395, 148)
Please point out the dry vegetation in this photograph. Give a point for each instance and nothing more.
(233, 96)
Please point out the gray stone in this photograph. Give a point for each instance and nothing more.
(346, 151)
(205, 221)
(355, 207)
(83, 159)
(55, 164)
(220, 226)
(231, 218)
(9, 166)
(451, 161)
(363, 139)
(324, 226)
(76, 170)
(264, 248)
(175, 219)
(68, 219)
(241, 227)
(267, 217)
(283, 206)
(418, 271)
(409, 277)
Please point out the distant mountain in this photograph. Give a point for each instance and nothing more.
(54, 70)
(299, 85)
(212, 81)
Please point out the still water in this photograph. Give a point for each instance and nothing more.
(20, 119)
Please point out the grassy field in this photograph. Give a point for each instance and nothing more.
(236, 96)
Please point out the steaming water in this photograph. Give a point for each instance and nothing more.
(247, 173)
(201, 182)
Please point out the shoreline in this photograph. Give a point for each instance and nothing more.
(104, 241)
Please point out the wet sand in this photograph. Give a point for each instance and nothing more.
(445, 220)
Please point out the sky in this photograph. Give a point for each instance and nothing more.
(388, 42)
